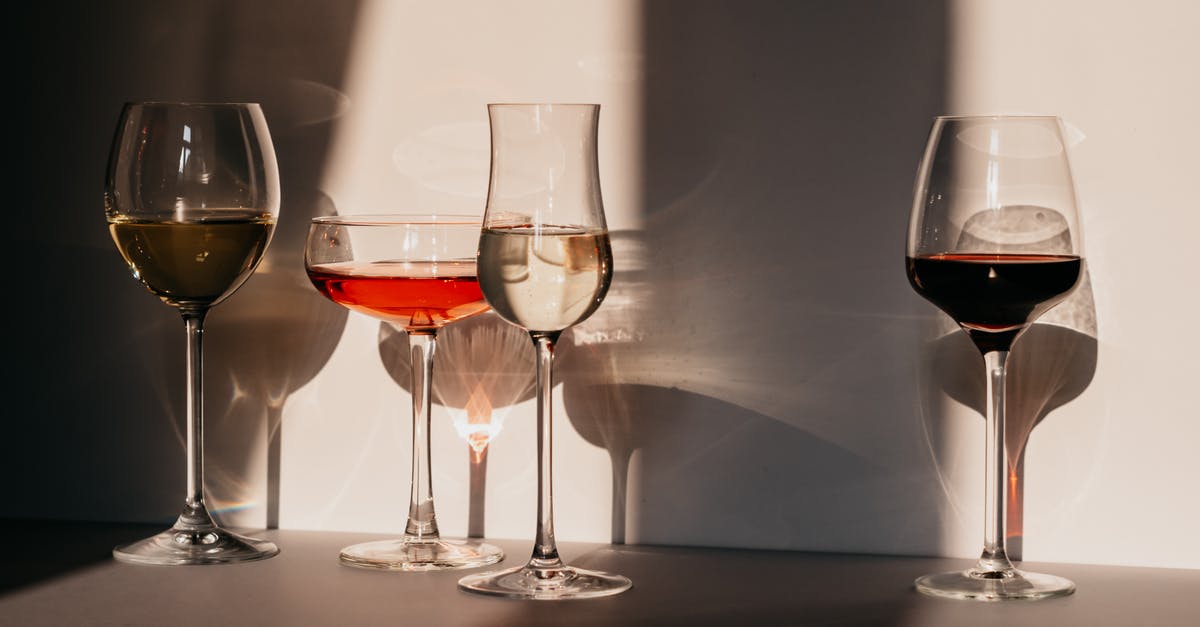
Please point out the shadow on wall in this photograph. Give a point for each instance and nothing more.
(751, 370)
(269, 344)
(1051, 364)
(109, 377)
(482, 367)
(274, 337)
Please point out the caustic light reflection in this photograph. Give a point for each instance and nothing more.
(225, 507)
(1015, 520)
(483, 366)
(476, 423)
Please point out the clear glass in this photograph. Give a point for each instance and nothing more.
(545, 263)
(994, 240)
(416, 272)
(191, 199)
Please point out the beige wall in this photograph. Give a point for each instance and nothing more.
(1104, 469)
(1110, 473)
(761, 374)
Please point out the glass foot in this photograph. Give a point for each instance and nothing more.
(547, 584)
(994, 586)
(415, 556)
(207, 546)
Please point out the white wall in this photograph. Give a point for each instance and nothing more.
(723, 383)
(761, 375)
(1111, 474)
(415, 139)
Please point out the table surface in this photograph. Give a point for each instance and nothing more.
(61, 574)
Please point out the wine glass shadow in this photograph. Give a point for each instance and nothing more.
(269, 343)
(482, 367)
(691, 438)
(1050, 365)
(617, 416)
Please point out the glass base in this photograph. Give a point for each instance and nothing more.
(548, 584)
(207, 546)
(408, 555)
(994, 586)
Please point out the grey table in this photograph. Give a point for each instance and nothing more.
(72, 581)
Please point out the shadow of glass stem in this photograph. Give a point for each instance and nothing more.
(481, 368)
(1050, 365)
(593, 364)
(264, 343)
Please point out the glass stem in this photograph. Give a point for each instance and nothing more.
(195, 516)
(994, 562)
(422, 521)
(545, 552)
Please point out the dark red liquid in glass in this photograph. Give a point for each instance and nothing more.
(994, 297)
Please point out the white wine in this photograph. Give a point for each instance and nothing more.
(192, 264)
(544, 279)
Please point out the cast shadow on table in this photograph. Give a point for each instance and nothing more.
(47, 549)
(1050, 365)
(482, 366)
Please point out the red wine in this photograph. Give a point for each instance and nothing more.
(994, 297)
(418, 295)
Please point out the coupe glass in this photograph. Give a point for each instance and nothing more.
(191, 199)
(416, 272)
(545, 263)
(994, 240)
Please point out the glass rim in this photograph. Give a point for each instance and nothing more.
(543, 104)
(401, 219)
(189, 103)
(997, 116)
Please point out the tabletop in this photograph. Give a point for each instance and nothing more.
(58, 573)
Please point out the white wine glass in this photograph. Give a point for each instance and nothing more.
(545, 263)
(994, 241)
(191, 199)
(416, 272)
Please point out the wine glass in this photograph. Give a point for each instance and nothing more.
(191, 200)
(415, 272)
(994, 240)
(545, 263)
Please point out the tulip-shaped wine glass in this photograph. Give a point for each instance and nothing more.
(191, 200)
(416, 272)
(994, 241)
(545, 263)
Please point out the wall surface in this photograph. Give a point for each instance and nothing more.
(760, 375)
(1111, 467)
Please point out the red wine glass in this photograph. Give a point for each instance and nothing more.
(417, 273)
(994, 241)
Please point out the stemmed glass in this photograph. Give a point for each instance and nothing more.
(416, 272)
(191, 200)
(994, 240)
(545, 263)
